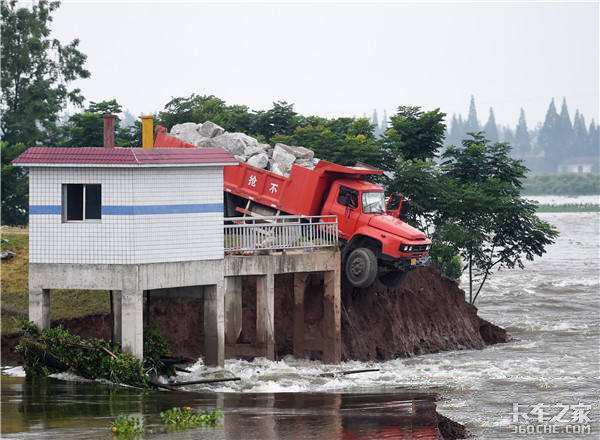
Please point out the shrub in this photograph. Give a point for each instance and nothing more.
(127, 426)
(56, 350)
(177, 419)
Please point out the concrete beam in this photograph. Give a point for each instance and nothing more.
(132, 322)
(214, 325)
(39, 307)
(283, 262)
(233, 309)
(116, 315)
(265, 315)
(300, 280)
(332, 341)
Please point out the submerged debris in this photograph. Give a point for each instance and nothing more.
(56, 350)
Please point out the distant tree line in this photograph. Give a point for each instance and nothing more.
(545, 147)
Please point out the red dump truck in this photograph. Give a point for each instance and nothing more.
(375, 241)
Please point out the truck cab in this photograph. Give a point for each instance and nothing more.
(374, 242)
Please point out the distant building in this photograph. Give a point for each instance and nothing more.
(579, 165)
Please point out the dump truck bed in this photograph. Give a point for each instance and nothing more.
(302, 193)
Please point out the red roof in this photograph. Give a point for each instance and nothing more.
(100, 156)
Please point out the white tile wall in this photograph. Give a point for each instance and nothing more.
(128, 239)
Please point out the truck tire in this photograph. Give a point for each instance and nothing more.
(361, 267)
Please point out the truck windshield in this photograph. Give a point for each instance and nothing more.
(373, 202)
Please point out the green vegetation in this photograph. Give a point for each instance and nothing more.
(177, 419)
(156, 347)
(64, 304)
(55, 350)
(562, 184)
(36, 72)
(127, 426)
(472, 207)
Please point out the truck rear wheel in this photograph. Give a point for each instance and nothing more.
(361, 267)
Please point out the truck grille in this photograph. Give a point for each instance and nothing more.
(419, 247)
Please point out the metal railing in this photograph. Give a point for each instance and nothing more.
(249, 234)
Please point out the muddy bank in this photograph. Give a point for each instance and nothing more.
(426, 313)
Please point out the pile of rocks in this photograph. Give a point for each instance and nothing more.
(278, 158)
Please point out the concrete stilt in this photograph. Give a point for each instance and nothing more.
(233, 309)
(265, 315)
(332, 341)
(132, 322)
(116, 315)
(39, 307)
(214, 325)
(300, 280)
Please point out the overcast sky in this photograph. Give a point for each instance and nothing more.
(341, 58)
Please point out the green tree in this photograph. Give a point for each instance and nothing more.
(482, 214)
(490, 128)
(564, 132)
(593, 139)
(36, 72)
(281, 119)
(472, 123)
(86, 129)
(548, 135)
(522, 140)
(580, 135)
(413, 134)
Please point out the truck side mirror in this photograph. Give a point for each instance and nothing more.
(394, 205)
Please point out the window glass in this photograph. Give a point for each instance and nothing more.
(74, 205)
(373, 202)
(81, 202)
(93, 196)
(348, 197)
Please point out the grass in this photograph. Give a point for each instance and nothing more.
(178, 419)
(14, 287)
(570, 207)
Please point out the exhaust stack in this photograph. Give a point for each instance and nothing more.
(147, 132)
(109, 131)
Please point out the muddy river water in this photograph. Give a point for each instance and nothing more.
(543, 384)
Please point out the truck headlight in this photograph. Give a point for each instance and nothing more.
(405, 248)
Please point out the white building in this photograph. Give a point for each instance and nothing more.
(127, 220)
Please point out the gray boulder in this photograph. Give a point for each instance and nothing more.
(260, 160)
(282, 160)
(187, 132)
(234, 143)
(210, 129)
(298, 152)
(255, 148)
(306, 163)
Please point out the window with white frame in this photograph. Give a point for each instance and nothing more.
(81, 202)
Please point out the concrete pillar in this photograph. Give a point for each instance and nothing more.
(233, 309)
(116, 315)
(214, 325)
(265, 315)
(132, 322)
(300, 280)
(39, 307)
(332, 341)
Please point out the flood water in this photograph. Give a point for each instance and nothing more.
(551, 309)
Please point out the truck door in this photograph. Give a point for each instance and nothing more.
(347, 209)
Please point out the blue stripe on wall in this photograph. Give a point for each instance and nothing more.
(138, 209)
(44, 209)
(162, 209)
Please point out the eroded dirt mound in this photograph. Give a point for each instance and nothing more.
(426, 313)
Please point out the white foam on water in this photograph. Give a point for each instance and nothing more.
(13, 371)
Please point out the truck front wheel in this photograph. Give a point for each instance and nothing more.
(361, 267)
